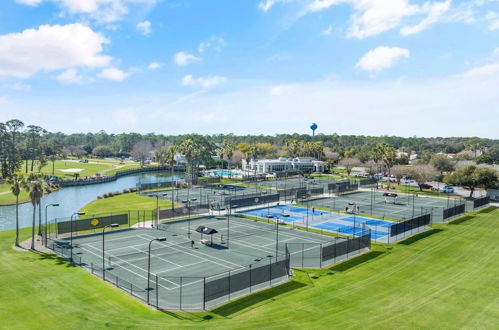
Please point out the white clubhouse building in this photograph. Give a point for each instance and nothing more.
(265, 166)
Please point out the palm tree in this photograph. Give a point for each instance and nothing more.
(189, 149)
(170, 156)
(253, 150)
(16, 184)
(229, 152)
(221, 154)
(34, 185)
(170, 159)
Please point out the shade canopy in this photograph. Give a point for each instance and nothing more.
(206, 231)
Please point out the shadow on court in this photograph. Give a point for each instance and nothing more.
(344, 266)
(255, 300)
(420, 236)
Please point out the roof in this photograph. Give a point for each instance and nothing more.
(206, 230)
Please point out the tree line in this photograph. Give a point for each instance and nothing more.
(28, 148)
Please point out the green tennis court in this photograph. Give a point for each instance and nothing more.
(191, 270)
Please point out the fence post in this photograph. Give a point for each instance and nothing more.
(157, 292)
(302, 254)
(180, 297)
(270, 270)
(250, 278)
(228, 279)
(320, 255)
(204, 293)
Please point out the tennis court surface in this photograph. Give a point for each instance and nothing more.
(199, 271)
(323, 220)
(403, 207)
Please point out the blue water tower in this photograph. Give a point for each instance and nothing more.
(313, 127)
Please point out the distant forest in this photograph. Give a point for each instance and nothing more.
(32, 144)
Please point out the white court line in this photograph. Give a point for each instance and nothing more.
(155, 256)
(207, 259)
(239, 224)
(285, 232)
(127, 269)
(182, 266)
(108, 251)
(100, 240)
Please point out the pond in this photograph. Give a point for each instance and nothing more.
(71, 199)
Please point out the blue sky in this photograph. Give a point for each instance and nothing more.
(372, 67)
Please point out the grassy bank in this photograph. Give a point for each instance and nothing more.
(445, 278)
(125, 203)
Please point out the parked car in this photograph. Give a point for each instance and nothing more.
(426, 186)
(446, 189)
(84, 161)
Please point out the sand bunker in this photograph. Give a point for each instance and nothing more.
(71, 170)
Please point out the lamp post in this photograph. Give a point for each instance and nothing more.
(160, 239)
(113, 225)
(229, 211)
(46, 221)
(71, 232)
(277, 236)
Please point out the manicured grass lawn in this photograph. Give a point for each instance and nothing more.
(445, 278)
(109, 167)
(408, 189)
(123, 204)
(327, 176)
(88, 169)
(8, 199)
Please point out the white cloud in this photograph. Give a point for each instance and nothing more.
(373, 17)
(318, 5)
(144, 27)
(328, 31)
(494, 21)
(154, 65)
(381, 58)
(126, 116)
(70, 77)
(113, 74)
(18, 86)
(184, 59)
(267, 4)
(50, 48)
(214, 42)
(483, 70)
(101, 10)
(435, 12)
(204, 82)
(29, 2)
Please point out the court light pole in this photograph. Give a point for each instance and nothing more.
(46, 221)
(113, 225)
(277, 237)
(71, 232)
(157, 206)
(159, 239)
(228, 220)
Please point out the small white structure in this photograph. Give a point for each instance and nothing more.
(180, 159)
(263, 166)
